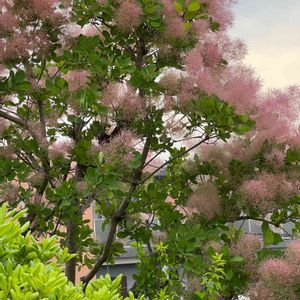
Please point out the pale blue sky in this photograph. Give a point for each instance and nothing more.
(271, 30)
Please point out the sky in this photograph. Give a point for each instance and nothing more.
(271, 30)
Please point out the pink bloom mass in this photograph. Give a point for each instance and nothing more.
(128, 15)
(77, 80)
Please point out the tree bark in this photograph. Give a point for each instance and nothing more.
(72, 248)
(72, 231)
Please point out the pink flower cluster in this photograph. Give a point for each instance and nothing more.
(276, 115)
(259, 291)
(81, 186)
(4, 124)
(45, 9)
(267, 189)
(21, 29)
(128, 15)
(246, 247)
(10, 194)
(206, 201)
(34, 128)
(216, 154)
(17, 47)
(200, 27)
(171, 81)
(220, 154)
(77, 80)
(123, 100)
(292, 255)
(119, 149)
(277, 271)
(240, 88)
(7, 152)
(36, 179)
(276, 157)
(278, 276)
(40, 42)
(8, 22)
(70, 31)
(215, 245)
(207, 71)
(220, 11)
(60, 148)
(174, 23)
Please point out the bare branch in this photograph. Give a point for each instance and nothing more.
(278, 225)
(174, 158)
(13, 119)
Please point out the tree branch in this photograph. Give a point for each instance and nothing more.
(13, 119)
(269, 222)
(174, 158)
(117, 216)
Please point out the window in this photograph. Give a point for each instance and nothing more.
(101, 230)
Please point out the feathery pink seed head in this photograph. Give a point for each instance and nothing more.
(267, 189)
(247, 247)
(119, 148)
(8, 22)
(10, 194)
(91, 30)
(40, 43)
(4, 124)
(123, 99)
(77, 80)
(171, 81)
(277, 271)
(206, 201)
(60, 149)
(259, 291)
(276, 157)
(280, 127)
(45, 9)
(257, 194)
(240, 88)
(220, 11)
(17, 47)
(174, 24)
(292, 255)
(7, 152)
(128, 15)
(200, 27)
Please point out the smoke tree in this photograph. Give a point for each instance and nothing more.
(98, 96)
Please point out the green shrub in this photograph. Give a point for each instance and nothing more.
(32, 269)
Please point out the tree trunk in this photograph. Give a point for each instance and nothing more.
(73, 231)
(72, 248)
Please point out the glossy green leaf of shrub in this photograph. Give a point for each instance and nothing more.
(32, 269)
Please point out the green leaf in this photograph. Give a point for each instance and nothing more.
(292, 155)
(24, 86)
(229, 274)
(178, 7)
(122, 234)
(215, 26)
(91, 176)
(136, 162)
(19, 76)
(268, 234)
(237, 259)
(187, 25)
(194, 6)
(277, 238)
